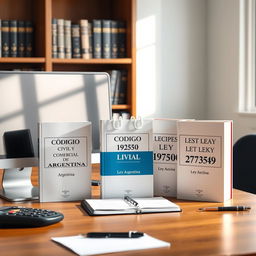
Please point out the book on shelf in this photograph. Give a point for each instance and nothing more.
(76, 45)
(114, 74)
(126, 206)
(118, 86)
(29, 39)
(90, 40)
(64, 161)
(205, 160)
(106, 39)
(126, 158)
(13, 38)
(165, 157)
(0, 38)
(114, 39)
(97, 38)
(60, 39)
(121, 39)
(5, 38)
(21, 38)
(67, 39)
(54, 38)
(84, 39)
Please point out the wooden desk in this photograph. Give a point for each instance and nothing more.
(190, 232)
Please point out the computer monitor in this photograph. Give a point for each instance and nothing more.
(29, 97)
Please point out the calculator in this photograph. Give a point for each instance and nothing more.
(21, 217)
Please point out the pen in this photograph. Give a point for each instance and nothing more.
(130, 234)
(226, 208)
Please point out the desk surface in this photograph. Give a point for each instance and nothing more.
(189, 232)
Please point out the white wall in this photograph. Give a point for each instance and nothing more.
(188, 61)
(223, 66)
(171, 58)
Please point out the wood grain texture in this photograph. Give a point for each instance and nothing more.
(190, 232)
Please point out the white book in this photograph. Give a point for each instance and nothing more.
(205, 160)
(165, 157)
(126, 158)
(64, 161)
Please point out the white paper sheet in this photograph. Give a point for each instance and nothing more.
(91, 246)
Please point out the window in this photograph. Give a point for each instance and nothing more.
(247, 85)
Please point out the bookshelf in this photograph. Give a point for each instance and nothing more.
(41, 12)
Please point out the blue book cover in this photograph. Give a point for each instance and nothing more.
(126, 158)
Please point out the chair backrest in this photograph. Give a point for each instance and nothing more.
(244, 164)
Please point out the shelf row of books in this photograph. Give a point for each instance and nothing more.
(118, 86)
(86, 40)
(16, 38)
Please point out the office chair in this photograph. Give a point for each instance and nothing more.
(244, 164)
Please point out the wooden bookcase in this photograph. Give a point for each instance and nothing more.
(41, 13)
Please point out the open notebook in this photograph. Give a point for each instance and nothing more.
(124, 206)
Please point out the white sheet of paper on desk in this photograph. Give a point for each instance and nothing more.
(91, 246)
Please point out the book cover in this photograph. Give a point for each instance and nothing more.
(126, 158)
(106, 39)
(97, 38)
(60, 39)
(54, 39)
(121, 39)
(21, 38)
(114, 39)
(5, 38)
(13, 39)
(165, 157)
(205, 160)
(84, 39)
(67, 39)
(76, 45)
(64, 161)
(29, 39)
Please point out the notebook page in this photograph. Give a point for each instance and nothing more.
(90, 246)
(156, 203)
(109, 204)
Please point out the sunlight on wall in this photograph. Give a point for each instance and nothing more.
(146, 66)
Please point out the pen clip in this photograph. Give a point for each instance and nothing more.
(132, 202)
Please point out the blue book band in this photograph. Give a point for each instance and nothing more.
(126, 163)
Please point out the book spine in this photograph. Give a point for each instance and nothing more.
(60, 33)
(13, 38)
(106, 39)
(75, 30)
(114, 39)
(123, 88)
(117, 88)
(113, 78)
(28, 39)
(5, 38)
(121, 39)
(90, 40)
(0, 38)
(21, 38)
(84, 39)
(67, 38)
(54, 39)
(97, 39)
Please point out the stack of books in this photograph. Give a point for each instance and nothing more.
(16, 38)
(86, 40)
